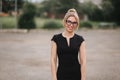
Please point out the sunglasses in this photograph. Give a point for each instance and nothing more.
(71, 23)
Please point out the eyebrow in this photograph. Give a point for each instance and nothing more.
(71, 21)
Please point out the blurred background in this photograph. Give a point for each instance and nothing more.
(27, 26)
(35, 14)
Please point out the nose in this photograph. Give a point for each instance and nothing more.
(71, 24)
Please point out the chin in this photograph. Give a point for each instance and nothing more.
(70, 31)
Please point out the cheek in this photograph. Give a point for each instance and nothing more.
(65, 25)
(76, 27)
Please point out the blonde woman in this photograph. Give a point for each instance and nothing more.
(68, 58)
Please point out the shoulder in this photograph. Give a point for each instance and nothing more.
(56, 37)
(79, 37)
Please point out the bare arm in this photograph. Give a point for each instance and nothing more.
(83, 61)
(53, 59)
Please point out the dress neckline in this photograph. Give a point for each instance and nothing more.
(66, 37)
(68, 41)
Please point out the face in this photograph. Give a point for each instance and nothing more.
(71, 24)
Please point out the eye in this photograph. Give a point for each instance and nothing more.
(75, 23)
(68, 21)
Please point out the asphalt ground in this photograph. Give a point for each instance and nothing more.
(26, 55)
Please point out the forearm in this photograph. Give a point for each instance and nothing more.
(53, 70)
(83, 71)
(83, 61)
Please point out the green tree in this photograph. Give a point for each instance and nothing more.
(64, 5)
(26, 20)
(9, 5)
(93, 11)
(89, 8)
(111, 10)
(59, 7)
(116, 11)
(107, 9)
(49, 7)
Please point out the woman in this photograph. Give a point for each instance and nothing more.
(68, 49)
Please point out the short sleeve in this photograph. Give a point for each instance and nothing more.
(82, 39)
(54, 38)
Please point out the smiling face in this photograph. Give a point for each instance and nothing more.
(70, 24)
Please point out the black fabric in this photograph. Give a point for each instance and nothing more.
(68, 63)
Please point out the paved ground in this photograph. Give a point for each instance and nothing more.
(26, 56)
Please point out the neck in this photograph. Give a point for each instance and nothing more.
(68, 34)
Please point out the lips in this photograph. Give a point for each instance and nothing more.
(70, 27)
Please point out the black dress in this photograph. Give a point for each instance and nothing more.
(68, 63)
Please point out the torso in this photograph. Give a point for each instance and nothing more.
(67, 51)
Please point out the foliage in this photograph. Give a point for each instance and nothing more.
(86, 24)
(10, 23)
(116, 12)
(93, 11)
(57, 8)
(26, 20)
(111, 10)
(8, 5)
(52, 24)
(7, 22)
(106, 25)
(64, 5)
(107, 9)
(48, 8)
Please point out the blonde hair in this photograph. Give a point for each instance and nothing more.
(71, 12)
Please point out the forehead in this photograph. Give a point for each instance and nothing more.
(72, 18)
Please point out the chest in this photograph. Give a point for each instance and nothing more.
(68, 45)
